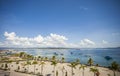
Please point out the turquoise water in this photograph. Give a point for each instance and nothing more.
(98, 55)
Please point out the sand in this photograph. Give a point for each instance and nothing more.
(48, 68)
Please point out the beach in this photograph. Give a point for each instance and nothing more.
(24, 64)
(48, 69)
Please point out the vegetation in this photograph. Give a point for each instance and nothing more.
(34, 63)
(28, 63)
(54, 63)
(77, 61)
(95, 71)
(83, 68)
(90, 62)
(28, 58)
(73, 66)
(62, 61)
(114, 66)
(42, 65)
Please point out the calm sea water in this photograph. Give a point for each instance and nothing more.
(98, 55)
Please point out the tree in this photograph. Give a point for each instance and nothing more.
(22, 54)
(54, 63)
(17, 62)
(66, 73)
(10, 61)
(6, 66)
(83, 68)
(62, 61)
(39, 57)
(73, 66)
(34, 63)
(2, 65)
(18, 68)
(46, 58)
(28, 63)
(90, 62)
(77, 61)
(56, 73)
(114, 67)
(53, 58)
(42, 65)
(94, 70)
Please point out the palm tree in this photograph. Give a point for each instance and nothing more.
(2, 65)
(18, 68)
(10, 61)
(77, 61)
(94, 70)
(28, 63)
(34, 63)
(39, 57)
(56, 73)
(63, 68)
(42, 65)
(62, 61)
(6, 66)
(54, 63)
(114, 67)
(46, 58)
(17, 62)
(53, 58)
(73, 66)
(66, 73)
(90, 62)
(83, 68)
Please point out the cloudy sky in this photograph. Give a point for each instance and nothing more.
(59, 23)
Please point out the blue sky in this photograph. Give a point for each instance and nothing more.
(77, 20)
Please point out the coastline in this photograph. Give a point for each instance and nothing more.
(35, 69)
(48, 69)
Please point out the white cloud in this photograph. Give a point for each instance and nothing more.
(52, 40)
(86, 43)
(104, 42)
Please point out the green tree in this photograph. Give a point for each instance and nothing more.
(46, 58)
(53, 58)
(83, 68)
(62, 61)
(34, 63)
(28, 63)
(39, 57)
(18, 68)
(90, 62)
(94, 70)
(73, 66)
(114, 67)
(54, 63)
(77, 61)
(56, 73)
(42, 66)
(6, 66)
(10, 61)
(17, 62)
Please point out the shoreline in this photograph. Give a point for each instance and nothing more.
(32, 65)
(48, 68)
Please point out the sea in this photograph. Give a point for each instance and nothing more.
(101, 56)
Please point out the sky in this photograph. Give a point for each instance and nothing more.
(60, 23)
